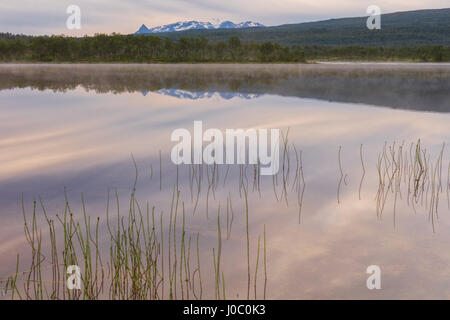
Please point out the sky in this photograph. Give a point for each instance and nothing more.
(35, 17)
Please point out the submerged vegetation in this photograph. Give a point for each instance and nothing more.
(118, 48)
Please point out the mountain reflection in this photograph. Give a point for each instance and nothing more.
(411, 86)
(195, 95)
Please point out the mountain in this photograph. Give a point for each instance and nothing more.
(196, 25)
(195, 95)
(409, 28)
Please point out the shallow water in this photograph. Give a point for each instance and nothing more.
(75, 127)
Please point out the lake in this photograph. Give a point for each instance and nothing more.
(364, 180)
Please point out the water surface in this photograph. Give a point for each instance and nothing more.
(75, 127)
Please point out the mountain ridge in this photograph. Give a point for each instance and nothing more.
(196, 25)
(403, 28)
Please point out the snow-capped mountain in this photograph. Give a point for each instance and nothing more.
(196, 25)
(194, 95)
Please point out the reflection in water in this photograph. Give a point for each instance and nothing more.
(67, 142)
(194, 95)
(404, 86)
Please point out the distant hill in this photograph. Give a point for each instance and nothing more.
(197, 25)
(409, 28)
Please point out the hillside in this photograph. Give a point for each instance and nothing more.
(410, 28)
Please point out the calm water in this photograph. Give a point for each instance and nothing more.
(75, 127)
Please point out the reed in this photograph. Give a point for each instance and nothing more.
(414, 171)
(141, 261)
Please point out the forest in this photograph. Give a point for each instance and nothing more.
(153, 49)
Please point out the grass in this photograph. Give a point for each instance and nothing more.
(413, 170)
(144, 253)
(136, 260)
(139, 252)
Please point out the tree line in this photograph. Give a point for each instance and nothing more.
(399, 53)
(142, 48)
(153, 49)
